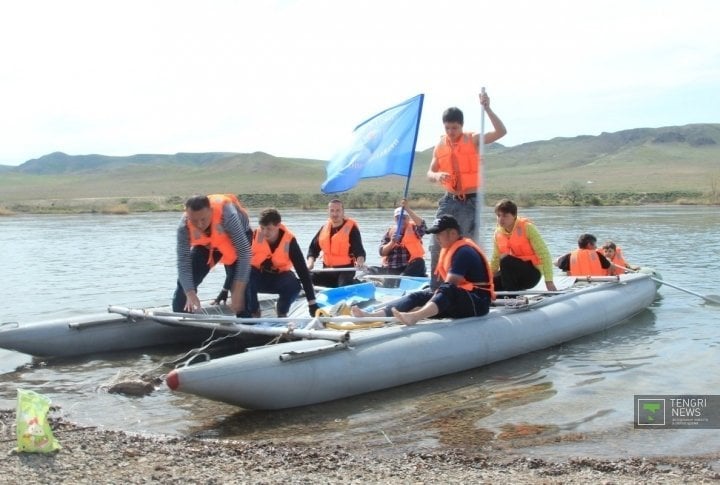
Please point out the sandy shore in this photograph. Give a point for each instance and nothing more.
(90, 455)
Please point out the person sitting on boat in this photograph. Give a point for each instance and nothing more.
(214, 228)
(615, 255)
(341, 245)
(520, 256)
(586, 260)
(275, 251)
(466, 287)
(401, 247)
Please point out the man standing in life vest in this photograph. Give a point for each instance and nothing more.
(341, 245)
(586, 260)
(466, 289)
(213, 229)
(455, 165)
(520, 256)
(275, 252)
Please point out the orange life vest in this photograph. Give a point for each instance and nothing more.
(410, 242)
(586, 262)
(461, 161)
(218, 238)
(516, 243)
(620, 261)
(280, 258)
(445, 263)
(336, 249)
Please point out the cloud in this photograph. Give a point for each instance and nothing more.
(293, 78)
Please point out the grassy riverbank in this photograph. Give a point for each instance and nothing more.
(670, 165)
(361, 200)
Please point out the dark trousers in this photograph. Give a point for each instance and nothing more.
(452, 301)
(284, 284)
(515, 274)
(334, 279)
(415, 267)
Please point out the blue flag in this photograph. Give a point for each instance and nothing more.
(381, 145)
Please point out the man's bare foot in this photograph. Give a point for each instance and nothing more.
(358, 312)
(407, 318)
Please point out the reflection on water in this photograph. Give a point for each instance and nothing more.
(576, 398)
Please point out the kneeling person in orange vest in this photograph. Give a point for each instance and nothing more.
(520, 256)
(275, 252)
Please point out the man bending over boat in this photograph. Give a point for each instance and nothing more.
(213, 229)
(341, 245)
(466, 287)
(275, 251)
(586, 260)
(520, 256)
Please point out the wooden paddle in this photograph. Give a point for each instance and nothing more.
(714, 300)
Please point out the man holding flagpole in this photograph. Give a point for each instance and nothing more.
(456, 165)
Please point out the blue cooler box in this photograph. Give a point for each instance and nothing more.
(350, 294)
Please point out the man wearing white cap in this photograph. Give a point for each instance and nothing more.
(401, 247)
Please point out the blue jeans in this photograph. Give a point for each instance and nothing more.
(284, 284)
(464, 212)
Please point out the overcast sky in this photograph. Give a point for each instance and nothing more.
(293, 78)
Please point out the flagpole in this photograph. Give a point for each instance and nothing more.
(412, 161)
(480, 199)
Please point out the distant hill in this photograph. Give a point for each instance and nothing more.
(671, 158)
(58, 162)
(668, 159)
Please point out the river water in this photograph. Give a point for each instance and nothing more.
(570, 400)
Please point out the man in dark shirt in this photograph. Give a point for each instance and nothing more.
(466, 287)
(586, 260)
(340, 243)
(275, 251)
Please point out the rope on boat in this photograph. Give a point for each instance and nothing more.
(517, 302)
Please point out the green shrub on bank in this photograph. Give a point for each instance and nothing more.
(355, 200)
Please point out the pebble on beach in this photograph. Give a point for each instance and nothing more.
(92, 455)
